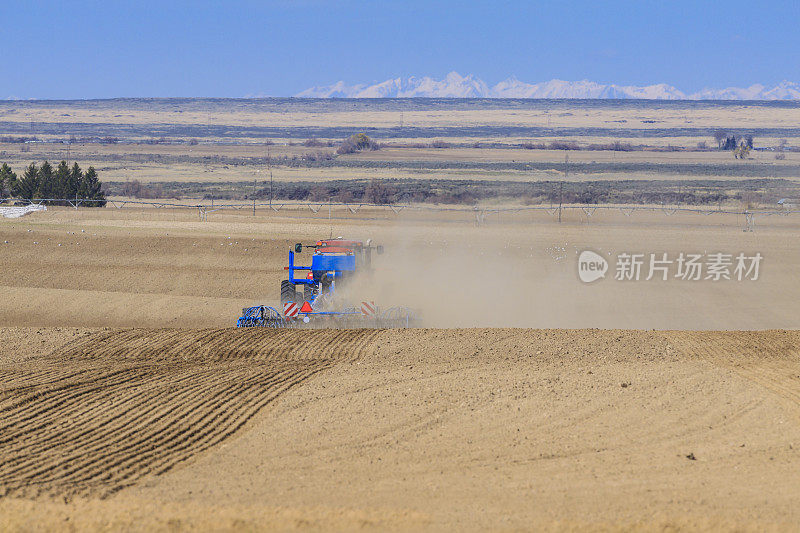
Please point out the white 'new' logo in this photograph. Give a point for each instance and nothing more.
(591, 266)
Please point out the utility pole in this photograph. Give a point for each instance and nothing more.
(69, 145)
(561, 188)
(269, 166)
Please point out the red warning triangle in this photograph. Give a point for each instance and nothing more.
(306, 308)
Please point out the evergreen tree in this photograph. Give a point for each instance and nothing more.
(47, 184)
(27, 186)
(75, 177)
(7, 180)
(730, 143)
(61, 182)
(91, 189)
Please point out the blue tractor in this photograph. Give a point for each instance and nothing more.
(333, 263)
(309, 300)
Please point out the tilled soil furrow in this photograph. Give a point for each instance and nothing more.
(322, 342)
(185, 432)
(123, 410)
(142, 346)
(770, 359)
(142, 401)
(16, 382)
(247, 409)
(206, 345)
(225, 348)
(362, 343)
(83, 347)
(144, 431)
(52, 401)
(220, 424)
(129, 386)
(105, 444)
(46, 426)
(101, 446)
(96, 347)
(265, 347)
(188, 347)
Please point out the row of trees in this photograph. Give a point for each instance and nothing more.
(727, 141)
(46, 182)
(740, 147)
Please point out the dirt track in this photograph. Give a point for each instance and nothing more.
(435, 428)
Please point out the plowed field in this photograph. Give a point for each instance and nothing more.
(110, 408)
(128, 402)
(441, 429)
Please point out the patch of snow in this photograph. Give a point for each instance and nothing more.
(16, 211)
(454, 85)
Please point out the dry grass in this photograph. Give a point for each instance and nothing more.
(245, 159)
(564, 114)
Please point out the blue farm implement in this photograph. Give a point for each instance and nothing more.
(312, 301)
(261, 316)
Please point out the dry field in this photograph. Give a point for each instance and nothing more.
(129, 402)
(440, 429)
(166, 268)
(210, 164)
(288, 113)
(528, 399)
(221, 141)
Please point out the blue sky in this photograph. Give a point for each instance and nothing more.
(232, 49)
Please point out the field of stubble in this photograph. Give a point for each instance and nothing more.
(130, 403)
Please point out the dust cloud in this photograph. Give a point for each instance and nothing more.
(528, 277)
(471, 282)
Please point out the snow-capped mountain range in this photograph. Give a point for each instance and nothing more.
(455, 85)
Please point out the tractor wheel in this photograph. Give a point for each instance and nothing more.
(308, 293)
(287, 292)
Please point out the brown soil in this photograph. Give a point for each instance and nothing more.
(443, 429)
(111, 422)
(164, 268)
(106, 409)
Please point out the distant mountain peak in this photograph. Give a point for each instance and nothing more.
(454, 85)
